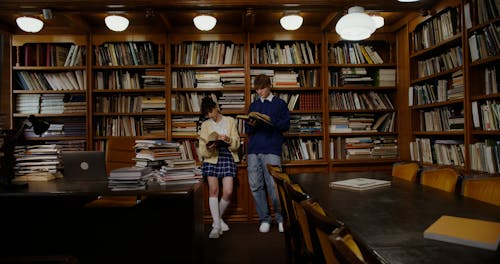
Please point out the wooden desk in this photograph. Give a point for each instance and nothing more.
(48, 218)
(391, 220)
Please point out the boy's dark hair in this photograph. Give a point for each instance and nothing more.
(207, 105)
(262, 81)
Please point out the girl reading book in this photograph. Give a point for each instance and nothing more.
(219, 141)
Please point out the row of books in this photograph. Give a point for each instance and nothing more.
(213, 53)
(362, 77)
(362, 123)
(359, 101)
(441, 152)
(126, 79)
(202, 78)
(486, 43)
(491, 80)
(127, 53)
(50, 54)
(448, 60)
(363, 147)
(437, 29)
(302, 149)
(59, 81)
(481, 11)
(73, 127)
(298, 52)
(486, 115)
(130, 126)
(50, 103)
(128, 103)
(441, 119)
(485, 156)
(308, 124)
(440, 91)
(353, 53)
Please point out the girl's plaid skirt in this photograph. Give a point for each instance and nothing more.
(225, 166)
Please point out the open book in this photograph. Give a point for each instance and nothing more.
(359, 184)
(213, 138)
(265, 119)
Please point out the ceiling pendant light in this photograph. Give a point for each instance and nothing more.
(204, 22)
(29, 24)
(379, 21)
(355, 25)
(291, 21)
(116, 23)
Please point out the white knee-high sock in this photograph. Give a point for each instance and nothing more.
(214, 210)
(222, 206)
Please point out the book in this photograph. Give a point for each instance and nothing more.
(213, 139)
(130, 172)
(256, 116)
(359, 184)
(465, 231)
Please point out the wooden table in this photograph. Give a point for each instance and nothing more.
(49, 218)
(390, 221)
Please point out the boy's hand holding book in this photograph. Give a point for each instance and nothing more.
(254, 118)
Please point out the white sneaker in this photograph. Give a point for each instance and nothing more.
(215, 233)
(223, 226)
(264, 227)
(281, 228)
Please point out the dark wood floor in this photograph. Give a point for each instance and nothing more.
(245, 244)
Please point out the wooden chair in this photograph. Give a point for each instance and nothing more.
(345, 247)
(299, 227)
(119, 153)
(406, 171)
(484, 189)
(443, 178)
(320, 226)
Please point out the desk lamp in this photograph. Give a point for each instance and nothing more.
(8, 161)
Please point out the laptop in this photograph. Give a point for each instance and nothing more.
(84, 165)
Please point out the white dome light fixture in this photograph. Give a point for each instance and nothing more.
(116, 23)
(204, 22)
(379, 21)
(29, 24)
(356, 25)
(291, 21)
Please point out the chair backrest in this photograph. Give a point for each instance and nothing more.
(405, 170)
(320, 227)
(345, 246)
(443, 178)
(484, 189)
(298, 220)
(119, 153)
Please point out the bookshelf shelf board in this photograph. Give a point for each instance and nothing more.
(452, 40)
(365, 65)
(294, 112)
(299, 89)
(488, 133)
(48, 68)
(215, 89)
(318, 134)
(145, 113)
(357, 161)
(195, 66)
(184, 135)
(233, 112)
(487, 60)
(146, 90)
(184, 113)
(291, 163)
(363, 111)
(49, 92)
(361, 133)
(485, 96)
(362, 88)
(120, 67)
(51, 115)
(156, 136)
(285, 65)
(482, 25)
(54, 138)
(441, 165)
(440, 133)
(434, 76)
(438, 104)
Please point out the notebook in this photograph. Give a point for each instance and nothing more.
(84, 165)
(359, 184)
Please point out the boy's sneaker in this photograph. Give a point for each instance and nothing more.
(264, 227)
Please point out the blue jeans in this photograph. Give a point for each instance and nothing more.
(259, 178)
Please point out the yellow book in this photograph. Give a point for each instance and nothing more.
(465, 231)
(365, 54)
